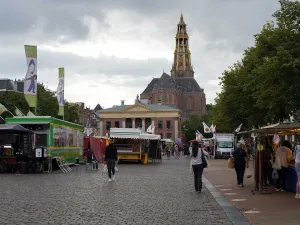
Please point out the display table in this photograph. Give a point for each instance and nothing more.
(11, 160)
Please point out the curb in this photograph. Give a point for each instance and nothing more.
(234, 215)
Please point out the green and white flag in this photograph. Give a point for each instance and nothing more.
(3, 109)
(60, 91)
(30, 83)
(30, 113)
(18, 112)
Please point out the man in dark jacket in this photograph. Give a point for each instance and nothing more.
(111, 156)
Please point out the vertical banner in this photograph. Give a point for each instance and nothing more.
(30, 83)
(60, 91)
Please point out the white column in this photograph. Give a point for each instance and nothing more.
(143, 124)
(101, 127)
(123, 123)
(176, 129)
(133, 122)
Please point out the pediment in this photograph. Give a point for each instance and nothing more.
(138, 108)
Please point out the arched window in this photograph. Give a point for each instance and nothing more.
(167, 99)
(159, 98)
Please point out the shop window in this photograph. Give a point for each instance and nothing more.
(169, 135)
(160, 124)
(117, 124)
(108, 125)
(169, 124)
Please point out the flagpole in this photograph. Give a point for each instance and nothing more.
(35, 109)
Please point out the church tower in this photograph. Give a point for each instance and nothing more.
(182, 66)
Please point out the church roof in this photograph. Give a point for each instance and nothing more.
(150, 86)
(98, 107)
(152, 106)
(184, 84)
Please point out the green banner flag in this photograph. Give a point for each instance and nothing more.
(60, 91)
(30, 83)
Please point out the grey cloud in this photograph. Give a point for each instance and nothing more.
(14, 62)
(226, 28)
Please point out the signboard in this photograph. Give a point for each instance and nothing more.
(38, 153)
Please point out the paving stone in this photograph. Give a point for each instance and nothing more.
(160, 193)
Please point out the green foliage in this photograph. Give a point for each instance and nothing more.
(194, 123)
(11, 100)
(263, 86)
(71, 112)
(47, 104)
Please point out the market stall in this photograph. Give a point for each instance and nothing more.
(152, 145)
(264, 138)
(57, 137)
(132, 145)
(16, 151)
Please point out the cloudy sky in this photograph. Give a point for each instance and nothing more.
(111, 49)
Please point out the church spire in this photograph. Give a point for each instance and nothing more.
(182, 66)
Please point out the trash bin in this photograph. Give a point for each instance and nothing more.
(23, 167)
(76, 160)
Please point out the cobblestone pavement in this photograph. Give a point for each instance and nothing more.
(160, 193)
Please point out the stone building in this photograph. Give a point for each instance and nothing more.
(166, 119)
(179, 90)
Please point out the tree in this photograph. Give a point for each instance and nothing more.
(71, 112)
(47, 104)
(11, 100)
(192, 124)
(263, 86)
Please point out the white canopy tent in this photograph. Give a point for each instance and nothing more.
(146, 136)
(132, 133)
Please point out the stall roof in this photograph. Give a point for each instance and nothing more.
(13, 128)
(168, 140)
(131, 133)
(150, 136)
(278, 127)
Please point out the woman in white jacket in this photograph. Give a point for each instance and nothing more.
(197, 165)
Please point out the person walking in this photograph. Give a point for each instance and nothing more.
(198, 163)
(285, 154)
(297, 168)
(111, 156)
(240, 159)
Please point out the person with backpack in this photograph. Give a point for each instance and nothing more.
(198, 163)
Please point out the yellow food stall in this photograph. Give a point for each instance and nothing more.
(130, 143)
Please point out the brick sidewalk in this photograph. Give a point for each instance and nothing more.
(274, 209)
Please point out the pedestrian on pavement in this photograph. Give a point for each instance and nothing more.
(91, 160)
(285, 154)
(111, 156)
(240, 159)
(176, 150)
(198, 154)
(297, 168)
(267, 166)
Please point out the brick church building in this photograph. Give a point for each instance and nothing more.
(180, 89)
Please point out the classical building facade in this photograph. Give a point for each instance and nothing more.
(166, 119)
(180, 89)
